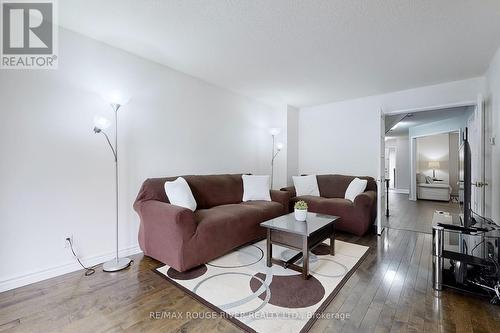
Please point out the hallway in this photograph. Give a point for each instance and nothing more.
(415, 215)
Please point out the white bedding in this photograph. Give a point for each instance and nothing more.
(436, 185)
(434, 191)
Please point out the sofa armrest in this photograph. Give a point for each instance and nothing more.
(281, 197)
(291, 190)
(163, 224)
(366, 199)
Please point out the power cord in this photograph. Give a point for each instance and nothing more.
(88, 270)
(472, 251)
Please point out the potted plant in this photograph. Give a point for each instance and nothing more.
(300, 210)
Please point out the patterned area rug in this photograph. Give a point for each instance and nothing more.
(257, 298)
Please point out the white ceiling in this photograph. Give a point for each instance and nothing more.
(400, 124)
(300, 52)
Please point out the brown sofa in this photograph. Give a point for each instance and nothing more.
(356, 217)
(184, 239)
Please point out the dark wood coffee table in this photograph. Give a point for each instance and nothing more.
(301, 236)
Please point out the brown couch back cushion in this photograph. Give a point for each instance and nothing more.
(208, 190)
(334, 186)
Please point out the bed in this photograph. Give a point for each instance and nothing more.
(435, 191)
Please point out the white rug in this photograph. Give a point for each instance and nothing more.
(257, 298)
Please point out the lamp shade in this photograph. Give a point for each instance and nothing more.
(117, 97)
(274, 131)
(434, 165)
(101, 123)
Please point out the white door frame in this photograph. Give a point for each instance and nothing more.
(381, 176)
(482, 166)
(478, 158)
(431, 108)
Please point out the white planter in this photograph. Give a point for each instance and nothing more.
(300, 214)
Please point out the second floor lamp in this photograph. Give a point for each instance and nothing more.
(276, 150)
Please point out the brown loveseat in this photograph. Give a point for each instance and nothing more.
(356, 217)
(184, 239)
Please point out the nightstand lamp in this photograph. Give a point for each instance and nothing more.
(434, 165)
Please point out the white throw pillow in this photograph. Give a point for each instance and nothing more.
(357, 186)
(179, 194)
(256, 188)
(306, 185)
(420, 178)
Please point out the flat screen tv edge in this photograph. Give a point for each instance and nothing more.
(465, 180)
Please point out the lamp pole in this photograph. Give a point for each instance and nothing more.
(117, 263)
(275, 152)
(115, 108)
(272, 164)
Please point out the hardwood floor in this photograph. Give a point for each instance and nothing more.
(415, 215)
(390, 292)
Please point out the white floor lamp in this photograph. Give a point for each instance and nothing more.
(100, 124)
(276, 149)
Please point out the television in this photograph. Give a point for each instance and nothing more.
(464, 180)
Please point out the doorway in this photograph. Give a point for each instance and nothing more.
(404, 163)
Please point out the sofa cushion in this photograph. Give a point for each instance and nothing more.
(337, 206)
(313, 202)
(334, 186)
(352, 219)
(221, 229)
(214, 190)
(226, 227)
(230, 212)
(208, 190)
(267, 209)
(329, 206)
(250, 213)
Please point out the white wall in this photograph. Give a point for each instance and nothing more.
(292, 142)
(342, 137)
(57, 175)
(402, 145)
(403, 163)
(442, 126)
(434, 148)
(339, 138)
(453, 165)
(493, 130)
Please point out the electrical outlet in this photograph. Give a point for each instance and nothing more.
(66, 242)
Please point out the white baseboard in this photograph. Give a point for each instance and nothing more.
(399, 190)
(73, 266)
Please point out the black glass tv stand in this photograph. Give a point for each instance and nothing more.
(466, 258)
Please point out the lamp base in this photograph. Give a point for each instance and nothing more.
(116, 264)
